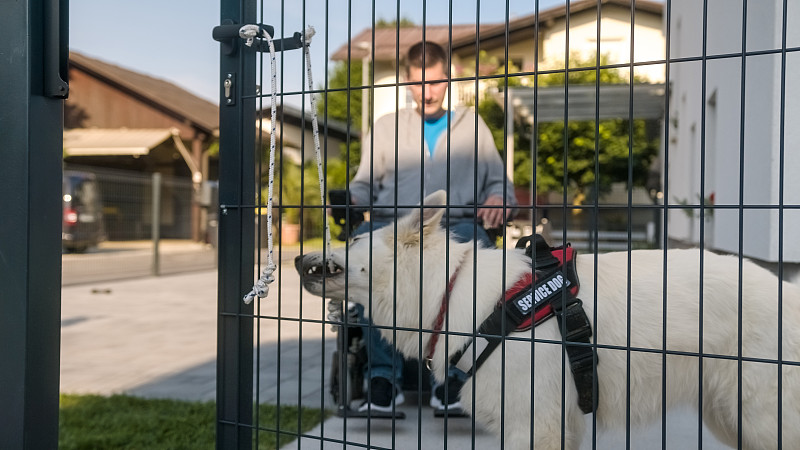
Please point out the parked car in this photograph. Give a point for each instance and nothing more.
(82, 222)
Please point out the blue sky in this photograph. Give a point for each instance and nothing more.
(171, 39)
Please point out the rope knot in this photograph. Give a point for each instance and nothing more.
(310, 32)
(249, 33)
(261, 288)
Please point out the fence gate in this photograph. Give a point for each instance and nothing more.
(236, 234)
(649, 136)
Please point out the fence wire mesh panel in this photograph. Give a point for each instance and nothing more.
(119, 224)
(555, 224)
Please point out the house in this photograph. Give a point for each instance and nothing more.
(295, 132)
(109, 108)
(539, 41)
(122, 119)
(733, 152)
(533, 42)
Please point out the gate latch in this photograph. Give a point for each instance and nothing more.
(227, 34)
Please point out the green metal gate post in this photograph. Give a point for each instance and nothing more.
(236, 233)
(33, 57)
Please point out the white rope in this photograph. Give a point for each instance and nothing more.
(315, 126)
(249, 33)
(261, 288)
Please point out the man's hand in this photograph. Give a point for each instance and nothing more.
(492, 217)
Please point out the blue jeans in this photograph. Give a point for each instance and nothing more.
(383, 360)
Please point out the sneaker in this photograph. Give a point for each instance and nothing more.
(453, 406)
(382, 396)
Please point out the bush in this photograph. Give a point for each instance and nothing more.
(300, 195)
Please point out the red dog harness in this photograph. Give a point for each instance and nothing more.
(550, 289)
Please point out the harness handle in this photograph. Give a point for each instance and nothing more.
(544, 259)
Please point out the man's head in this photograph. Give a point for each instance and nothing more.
(428, 59)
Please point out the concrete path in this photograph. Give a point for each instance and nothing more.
(156, 337)
(116, 260)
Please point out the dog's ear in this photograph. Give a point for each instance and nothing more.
(438, 198)
(431, 217)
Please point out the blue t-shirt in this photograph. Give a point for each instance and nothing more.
(433, 129)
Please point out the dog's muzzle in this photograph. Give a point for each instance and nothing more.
(313, 268)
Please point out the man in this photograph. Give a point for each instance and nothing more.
(397, 163)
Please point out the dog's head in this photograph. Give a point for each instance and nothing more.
(369, 262)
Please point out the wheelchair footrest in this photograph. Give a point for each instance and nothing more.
(348, 412)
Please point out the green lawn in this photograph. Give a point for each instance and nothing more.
(123, 422)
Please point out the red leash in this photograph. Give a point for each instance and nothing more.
(437, 326)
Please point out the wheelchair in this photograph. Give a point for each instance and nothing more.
(349, 360)
(347, 383)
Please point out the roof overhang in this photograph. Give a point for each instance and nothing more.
(114, 141)
(547, 104)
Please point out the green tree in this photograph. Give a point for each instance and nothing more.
(335, 103)
(615, 154)
(299, 193)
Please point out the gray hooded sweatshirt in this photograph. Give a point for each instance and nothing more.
(402, 162)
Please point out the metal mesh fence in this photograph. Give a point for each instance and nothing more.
(108, 230)
(649, 136)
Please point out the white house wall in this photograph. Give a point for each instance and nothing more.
(724, 115)
(791, 187)
(615, 39)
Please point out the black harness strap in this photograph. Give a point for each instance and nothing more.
(575, 328)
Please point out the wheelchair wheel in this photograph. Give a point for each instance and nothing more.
(334, 381)
(349, 358)
(346, 391)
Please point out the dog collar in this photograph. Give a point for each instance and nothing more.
(439, 323)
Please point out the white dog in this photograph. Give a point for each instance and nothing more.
(736, 378)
